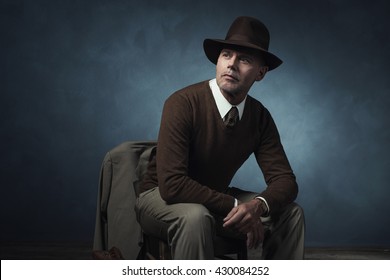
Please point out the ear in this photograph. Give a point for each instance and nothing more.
(262, 71)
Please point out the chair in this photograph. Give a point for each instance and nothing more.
(116, 222)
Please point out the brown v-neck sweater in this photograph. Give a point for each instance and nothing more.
(197, 155)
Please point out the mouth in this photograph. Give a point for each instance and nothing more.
(230, 77)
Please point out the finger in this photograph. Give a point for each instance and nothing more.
(255, 236)
(249, 239)
(256, 240)
(247, 220)
(253, 241)
(260, 234)
(245, 224)
(234, 219)
(230, 214)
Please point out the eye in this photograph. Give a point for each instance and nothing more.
(225, 54)
(245, 60)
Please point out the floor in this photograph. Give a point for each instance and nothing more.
(82, 251)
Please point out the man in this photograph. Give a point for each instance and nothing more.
(208, 130)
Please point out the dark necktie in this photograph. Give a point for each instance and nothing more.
(231, 118)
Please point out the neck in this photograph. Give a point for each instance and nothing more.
(234, 98)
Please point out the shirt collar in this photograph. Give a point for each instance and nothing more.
(222, 104)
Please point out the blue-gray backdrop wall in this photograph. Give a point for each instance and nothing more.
(79, 77)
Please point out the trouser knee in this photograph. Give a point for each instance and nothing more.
(292, 211)
(296, 210)
(297, 214)
(195, 218)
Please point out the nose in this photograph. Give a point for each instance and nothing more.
(232, 63)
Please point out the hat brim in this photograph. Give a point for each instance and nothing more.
(213, 47)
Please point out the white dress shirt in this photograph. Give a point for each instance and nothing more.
(222, 104)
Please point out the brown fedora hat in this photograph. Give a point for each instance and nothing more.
(245, 32)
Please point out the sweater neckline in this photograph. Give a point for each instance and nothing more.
(218, 115)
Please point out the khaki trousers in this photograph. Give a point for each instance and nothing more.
(192, 227)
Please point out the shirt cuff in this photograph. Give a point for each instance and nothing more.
(266, 204)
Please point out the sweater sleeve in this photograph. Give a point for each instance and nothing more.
(282, 188)
(173, 150)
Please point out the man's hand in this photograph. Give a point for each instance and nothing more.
(246, 218)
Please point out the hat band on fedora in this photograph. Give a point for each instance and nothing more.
(245, 39)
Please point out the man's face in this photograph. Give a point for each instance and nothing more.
(237, 70)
